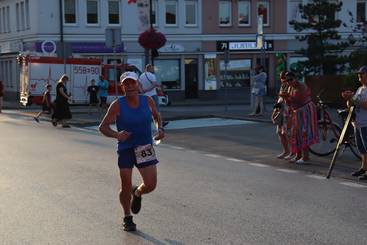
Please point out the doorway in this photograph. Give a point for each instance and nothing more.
(191, 79)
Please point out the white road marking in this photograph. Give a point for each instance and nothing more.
(235, 160)
(351, 184)
(290, 171)
(205, 122)
(177, 148)
(212, 155)
(196, 123)
(258, 165)
(314, 176)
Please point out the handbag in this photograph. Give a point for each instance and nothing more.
(277, 117)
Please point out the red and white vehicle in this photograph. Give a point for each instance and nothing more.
(37, 72)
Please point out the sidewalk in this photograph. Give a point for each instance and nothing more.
(182, 110)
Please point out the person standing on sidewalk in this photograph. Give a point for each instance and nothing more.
(359, 100)
(132, 114)
(149, 85)
(283, 113)
(92, 90)
(304, 131)
(258, 90)
(103, 91)
(61, 109)
(46, 103)
(1, 95)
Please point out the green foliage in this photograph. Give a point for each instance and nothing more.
(358, 37)
(323, 40)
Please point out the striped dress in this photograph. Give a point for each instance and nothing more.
(304, 131)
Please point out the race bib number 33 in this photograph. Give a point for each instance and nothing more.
(144, 153)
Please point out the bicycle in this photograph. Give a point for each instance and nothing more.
(329, 132)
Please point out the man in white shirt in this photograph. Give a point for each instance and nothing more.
(148, 84)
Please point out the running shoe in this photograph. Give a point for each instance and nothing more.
(359, 172)
(136, 201)
(128, 224)
(36, 119)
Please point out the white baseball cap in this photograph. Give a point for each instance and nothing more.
(127, 75)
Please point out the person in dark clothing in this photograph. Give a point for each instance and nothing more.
(93, 95)
(46, 103)
(62, 110)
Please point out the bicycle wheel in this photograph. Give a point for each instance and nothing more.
(351, 141)
(329, 135)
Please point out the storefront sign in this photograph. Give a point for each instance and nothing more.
(78, 47)
(48, 47)
(172, 47)
(241, 45)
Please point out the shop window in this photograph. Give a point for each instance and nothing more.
(210, 73)
(168, 73)
(225, 12)
(361, 11)
(263, 9)
(238, 74)
(244, 10)
(69, 12)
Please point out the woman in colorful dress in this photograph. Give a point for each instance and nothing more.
(304, 129)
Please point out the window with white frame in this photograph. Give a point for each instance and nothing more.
(69, 12)
(92, 12)
(244, 12)
(27, 18)
(17, 9)
(22, 16)
(113, 12)
(191, 12)
(171, 12)
(154, 12)
(361, 11)
(8, 18)
(263, 8)
(4, 20)
(225, 12)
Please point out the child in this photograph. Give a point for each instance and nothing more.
(46, 103)
(93, 91)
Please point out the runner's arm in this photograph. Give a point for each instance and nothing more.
(156, 117)
(110, 117)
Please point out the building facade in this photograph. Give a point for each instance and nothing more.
(192, 64)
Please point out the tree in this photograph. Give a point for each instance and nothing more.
(358, 57)
(324, 45)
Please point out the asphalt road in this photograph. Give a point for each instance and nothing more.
(59, 186)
